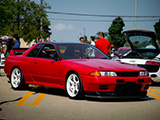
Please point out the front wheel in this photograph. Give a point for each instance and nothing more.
(74, 86)
(17, 79)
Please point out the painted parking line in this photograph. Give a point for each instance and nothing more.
(4, 84)
(154, 95)
(29, 93)
(154, 90)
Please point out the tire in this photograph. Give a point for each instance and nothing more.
(74, 86)
(17, 79)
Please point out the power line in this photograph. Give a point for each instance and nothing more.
(82, 20)
(96, 15)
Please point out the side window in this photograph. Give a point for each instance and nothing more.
(34, 51)
(46, 51)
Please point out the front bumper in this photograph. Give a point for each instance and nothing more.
(116, 87)
(117, 95)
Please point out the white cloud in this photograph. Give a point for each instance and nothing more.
(62, 27)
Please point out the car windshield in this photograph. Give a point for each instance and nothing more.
(80, 51)
(142, 42)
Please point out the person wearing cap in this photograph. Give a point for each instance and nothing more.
(16, 40)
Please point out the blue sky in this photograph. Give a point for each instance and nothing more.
(70, 31)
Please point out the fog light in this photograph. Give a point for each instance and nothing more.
(140, 80)
(119, 80)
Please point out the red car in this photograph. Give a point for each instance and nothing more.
(80, 69)
(123, 50)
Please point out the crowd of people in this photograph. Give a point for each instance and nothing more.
(102, 43)
(10, 44)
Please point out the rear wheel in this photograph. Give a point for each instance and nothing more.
(17, 79)
(74, 86)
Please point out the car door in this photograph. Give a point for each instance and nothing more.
(46, 70)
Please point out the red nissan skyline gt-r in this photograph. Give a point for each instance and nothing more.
(80, 69)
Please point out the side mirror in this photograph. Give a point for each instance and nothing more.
(54, 56)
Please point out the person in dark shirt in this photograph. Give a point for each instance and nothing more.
(16, 40)
(8, 47)
(81, 39)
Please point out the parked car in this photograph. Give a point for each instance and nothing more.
(80, 69)
(145, 51)
(2, 61)
(121, 51)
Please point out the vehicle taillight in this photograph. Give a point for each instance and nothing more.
(152, 63)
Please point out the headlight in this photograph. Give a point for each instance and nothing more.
(108, 73)
(103, 73)
(143, 73)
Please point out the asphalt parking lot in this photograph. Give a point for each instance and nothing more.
(43, 103)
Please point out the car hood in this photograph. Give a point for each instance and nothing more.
(104, 64)
(143, 51)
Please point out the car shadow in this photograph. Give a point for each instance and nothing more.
(63, 93)
(48, 90)
(156, 84)
(119, 99)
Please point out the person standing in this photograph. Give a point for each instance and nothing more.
(39, 39)
(1, 50)
(103, 44)
(81, 39)
(92, 40)
(16, 40)
(8, 47)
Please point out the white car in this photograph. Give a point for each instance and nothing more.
(145, 51)
(2, 61)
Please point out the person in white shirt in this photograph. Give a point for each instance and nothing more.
(150, 46)
(92, 38)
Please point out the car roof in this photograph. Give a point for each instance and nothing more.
(62, 43)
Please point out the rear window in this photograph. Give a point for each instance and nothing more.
(142, 42)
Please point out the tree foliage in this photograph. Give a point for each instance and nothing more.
(157, 29)
(27, 15)
(115, 32)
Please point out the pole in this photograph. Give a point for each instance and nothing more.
(135, 22)
(41, 29)
(18, 22)
(84, 31)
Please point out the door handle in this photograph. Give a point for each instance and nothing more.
(35, 62)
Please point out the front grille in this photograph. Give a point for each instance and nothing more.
(150, 68)
(127, 74)
(128, 87)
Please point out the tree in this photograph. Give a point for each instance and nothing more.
(85, 39)
(23, 17)
(115, 32)
(157, 29)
